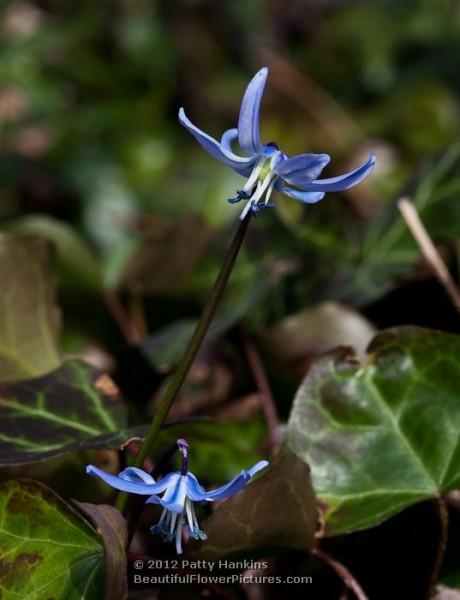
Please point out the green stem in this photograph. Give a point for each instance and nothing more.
(190, 352)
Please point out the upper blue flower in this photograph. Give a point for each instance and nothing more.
(267, 167)
(179, 490)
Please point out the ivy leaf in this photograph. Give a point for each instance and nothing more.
(73, 408)
(277, 511)
(382, 435)
(48, 550)
(29, 318)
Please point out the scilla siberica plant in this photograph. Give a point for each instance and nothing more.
(266, 167)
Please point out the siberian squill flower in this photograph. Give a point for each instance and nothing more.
(179, 491)
(265, 166)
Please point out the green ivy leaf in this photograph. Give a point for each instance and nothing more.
(48, 550)
(29, 318)
(275, 512)
(382, 435)
(73, 408)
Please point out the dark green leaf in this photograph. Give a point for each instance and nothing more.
(72, 408)
(29, 318)
(382, 435)
(277, 511)
(47, 550)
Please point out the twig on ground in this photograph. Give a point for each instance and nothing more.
(429, 250)
(122, 318)
(443, 516)
(267, 402)
(342, 571)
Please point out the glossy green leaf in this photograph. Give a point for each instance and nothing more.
(381, 435)
(48, 550)
(277, 511)
(72, 408)
(29, 318)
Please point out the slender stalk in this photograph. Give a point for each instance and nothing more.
(341, 570)
(191, 351)
(443, 517)
(267, 402)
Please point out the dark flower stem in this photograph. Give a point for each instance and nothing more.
(191, 351)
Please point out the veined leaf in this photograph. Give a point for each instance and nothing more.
(72, 408)
(382, 435)
(47, 550)
(29, 318)
(277, 511)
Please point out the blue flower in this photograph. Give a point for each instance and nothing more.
(179, 491)
(266, 167)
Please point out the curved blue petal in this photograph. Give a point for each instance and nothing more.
(197, 493)
(305, 197)
(135, 474)
(303, 168)
(175, 495)
(248, 122)
(241, 164)
(258, 467)
(228, 138)
(125, 485)
(342, 182)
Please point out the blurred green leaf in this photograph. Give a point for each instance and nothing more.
(218, 449)
(73, 408)
(48, 550)
(77, 266)
(381, 435)
(277, 511)
(29, 320)
(388, 250)
(165, 348)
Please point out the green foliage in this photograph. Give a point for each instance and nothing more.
(381, 435)
(49, 550)
(29, 316)
(73, 408)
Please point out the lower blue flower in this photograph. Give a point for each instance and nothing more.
(176, 493)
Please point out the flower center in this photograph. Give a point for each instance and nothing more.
(259, 186)
(171, 525)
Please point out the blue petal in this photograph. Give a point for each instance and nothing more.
(242, 165)
(197, 493)
(248, 122)
(135, 474)
(305, 197)
(175, 495)
(303, 168)
(228, 138)
(342, 182)
(124, 485)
